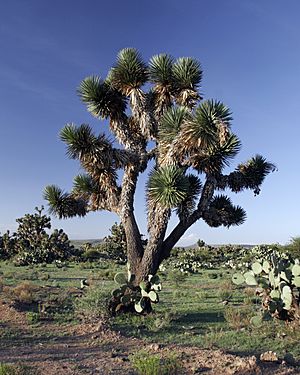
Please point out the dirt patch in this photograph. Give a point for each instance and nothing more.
(95, 349)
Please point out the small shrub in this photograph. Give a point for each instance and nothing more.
(24, 293)
(177, 277)
(213, 337)
(44, 276)
(33, 317)
(93, 304)
(250, 292)
(225, 291)
(238, 317)
(91, 255)
(146, 363)
(293, 248)
(7, 369)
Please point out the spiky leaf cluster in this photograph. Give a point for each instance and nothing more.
(221, 211)
(129, 73)
(62, 204)
(168, 186)
(102, 100)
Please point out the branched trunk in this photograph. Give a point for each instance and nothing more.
(157, 231)
(134, 243)
(183, 226)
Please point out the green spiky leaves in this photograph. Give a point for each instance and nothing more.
(250, 175)
(90, 149)
(187, 73)
(130, 72)
(160, 69)
(171, 122)
(202, 129)
(186, 207)
(83, 185)
(167, 186)
(222, 212)
(101, 98)
(62, 204)
(78, 140)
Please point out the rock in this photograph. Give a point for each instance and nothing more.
(245, 366)
(155, 347)
(269, 357)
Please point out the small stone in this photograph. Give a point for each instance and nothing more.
(269, 356)
(155, 347)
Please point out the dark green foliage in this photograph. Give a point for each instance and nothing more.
(250, 175)
(7, 245)
(31, 243)
(91, 254)
(293, 247)
(222, 212)
(160, 70)
(129, 73)
(115, 243)
(114, 246)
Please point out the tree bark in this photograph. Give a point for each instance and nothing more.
(159, 217)
(134, 243)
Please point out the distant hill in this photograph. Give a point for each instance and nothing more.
(93, 242)
(246, 246)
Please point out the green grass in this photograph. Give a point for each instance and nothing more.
(192, 313)
(48, 274)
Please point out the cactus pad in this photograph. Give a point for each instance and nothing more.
(238, 278)
(257, 268)
(120, 278)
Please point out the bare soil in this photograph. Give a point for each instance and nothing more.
(54, 349)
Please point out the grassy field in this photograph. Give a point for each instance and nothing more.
(204, 310)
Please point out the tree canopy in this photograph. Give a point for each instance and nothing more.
(156, 113)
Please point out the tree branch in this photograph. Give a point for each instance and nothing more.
(183, 226)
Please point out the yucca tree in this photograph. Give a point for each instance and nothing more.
(156, 114)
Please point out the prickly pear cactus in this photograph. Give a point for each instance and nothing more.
(278, 283)
(131, 297)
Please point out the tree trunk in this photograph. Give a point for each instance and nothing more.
(134, 244)
(157, 230)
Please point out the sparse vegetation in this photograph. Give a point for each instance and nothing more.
(146, 363)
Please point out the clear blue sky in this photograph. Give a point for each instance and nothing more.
(249, 50)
